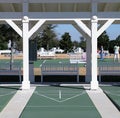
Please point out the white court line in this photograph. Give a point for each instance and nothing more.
(8, 94)
(42, 63)
(46, 96)
(73, 97)
(60, 101)
(110, 93)
(60, 96)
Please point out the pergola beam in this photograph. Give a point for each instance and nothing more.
(60, 15)
(71, 1)
(14, 26)
(61, 1)
(83, 27)
(104, 27)
(36, 27)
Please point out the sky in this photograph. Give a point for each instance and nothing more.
(113, 31)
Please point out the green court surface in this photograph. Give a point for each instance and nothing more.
(60, 102)
(6, 93)
(40, 62)
(113, 93)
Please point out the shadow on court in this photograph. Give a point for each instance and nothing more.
(113, 93)
(11, 87)
(69, 87)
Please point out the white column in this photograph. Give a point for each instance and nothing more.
(94, 82)
(26, 82)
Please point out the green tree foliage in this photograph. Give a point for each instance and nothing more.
(6, 34)
(53, 43)
(82, 43)
(75, 44)
(47, 37)
(112, 43)
(118, 40)
(39, 42)
(3, 43)
(103, 40)
(66, 43)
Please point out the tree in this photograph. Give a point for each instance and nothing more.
(53, 43)
(47, 37)
(112, 43)
(83, 43)
(3, 41)
(6, 34)
(103, 40)
(76, 44)
(66, 43)
(118, 40)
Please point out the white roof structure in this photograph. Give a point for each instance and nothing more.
(89, 17)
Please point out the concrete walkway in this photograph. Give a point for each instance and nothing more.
(16, 105)
(105, 107)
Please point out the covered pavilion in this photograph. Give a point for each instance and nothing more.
(90, 17)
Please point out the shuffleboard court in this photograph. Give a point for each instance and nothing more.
(6, 93)
(113, 92)
(39, 62)
(60, 102)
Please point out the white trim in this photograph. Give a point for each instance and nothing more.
(14, 26)
(104, 27)
(83, 26)
(36, 27)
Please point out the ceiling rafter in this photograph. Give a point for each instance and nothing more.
(59, 7)
(12, 7)
(43, 7)
(75, 7)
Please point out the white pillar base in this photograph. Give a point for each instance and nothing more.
(94, 85)
(25, 85)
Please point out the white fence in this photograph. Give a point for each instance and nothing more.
(78, 58)
(5, 52)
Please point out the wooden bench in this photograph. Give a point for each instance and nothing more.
(59, 69)
(109, 68)
(5, 69)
